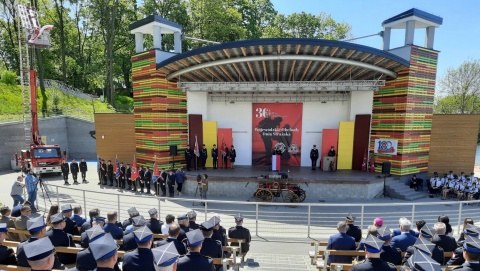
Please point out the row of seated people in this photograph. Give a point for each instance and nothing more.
(460, 187)
(61, 235)
(429, 243)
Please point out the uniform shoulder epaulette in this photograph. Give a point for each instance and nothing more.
(218, 242)
(391, 264)
(208, 257)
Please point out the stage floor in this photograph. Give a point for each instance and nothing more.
(303, 174)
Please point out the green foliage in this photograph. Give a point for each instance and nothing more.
(9, 77)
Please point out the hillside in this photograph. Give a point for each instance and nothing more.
(58, 103)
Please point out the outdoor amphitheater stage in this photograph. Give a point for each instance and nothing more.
(243, 180)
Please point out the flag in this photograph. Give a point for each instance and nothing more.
(372, 163)
(116, 168)
(197, 151)
(134, 169)
(364, 164)
(156, 172)
(223, 150)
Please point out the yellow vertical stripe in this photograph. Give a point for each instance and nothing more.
(209, 138)
(345, 144)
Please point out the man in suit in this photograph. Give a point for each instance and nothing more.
(424, 244)
(215, 156)
(353, 230)
(77, 216)
(442, 240)
(193, 260)
(65, 171)
(373, 262)
(405, 239)
(74, 169)
(314, 157)
(70, 225)
(341, 241)
(112, 227)
(83, 170)
(61, 239)
(142, 257)
(173, 233)
(240, 232)
(471, 254)
(154, 224)
(7, 255)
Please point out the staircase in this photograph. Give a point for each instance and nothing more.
(399, 190)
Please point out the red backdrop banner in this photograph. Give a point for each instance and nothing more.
(276, 125)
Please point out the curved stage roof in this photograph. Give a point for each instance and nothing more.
(277, 59)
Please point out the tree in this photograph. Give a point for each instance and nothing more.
(256, 16)
(461, 90)
(307, 25)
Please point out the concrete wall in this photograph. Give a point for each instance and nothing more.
(67, 132)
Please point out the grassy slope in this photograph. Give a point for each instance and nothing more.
(11, 104)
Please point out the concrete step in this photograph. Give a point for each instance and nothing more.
(399, 190)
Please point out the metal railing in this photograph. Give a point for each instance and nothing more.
(284, 221)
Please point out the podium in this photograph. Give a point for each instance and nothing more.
(327, 160)
(276, 162)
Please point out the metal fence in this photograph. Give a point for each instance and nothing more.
(268, 220)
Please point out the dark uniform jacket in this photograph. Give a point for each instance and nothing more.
(374, 264)
(314, 154)
(128, 173)
(212, 248)
(7, 256)
(65, 168)
(71, 227)
(110, 168)
(148, 176)
(62, 239)
(446, 242)
(178, 245)
(214, 153)
(138, 259)
(355, 232)
(437, 254)
(126, 223)
(468, 267)
(182, 235)
(74, 167)
(204, 153)
(22, 258)
(129, 242)
(83, 166)
(218, 235)
(391, 255)
(155, 225)
(233, 155)
(457, 258)
(195, 261)
(192, 226)
(239, 232)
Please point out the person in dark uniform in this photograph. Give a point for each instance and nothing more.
(128, 177)
(88, 224)
(132, 212)
(7, 255)
(142, 257)
(203, 156)
(192, 217)
(225, 158)
(122, 176)
(163, 182)
(65, 171)
(210, 247)
(103, 173)
(110, 173)
(421, 261)
(97, 221)
(154, 224)
(215, 156)
(85, 260)
(129, 242)
(471, 253)
(188, 157)
(314, 157)
(148, 179)
(74, 169)
(104, 251)
(40, 254)
(171, 183)
(183, 223)
(233, 156)
(458, 255)
(61, 239)
(173, 233)
(37, 228)
(424, 244)
(353, 230)
(389, 254)
(141, 175)
(193, 260)
(240, 232)
(218, 233)
(373, 262)
(83, 170)
(165, 257)
(331, 152)
(70, 225)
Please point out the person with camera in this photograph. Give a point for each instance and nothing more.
(17, 191)
(31, 182)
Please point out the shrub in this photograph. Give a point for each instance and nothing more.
(9, 77)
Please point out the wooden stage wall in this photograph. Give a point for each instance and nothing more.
(118, 131)
(453, 143)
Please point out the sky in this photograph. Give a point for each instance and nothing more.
(457, 39)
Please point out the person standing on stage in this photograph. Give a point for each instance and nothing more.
(163, 182)
(180, 179)
(203, 156)
(314, 157)
(225, 158)
(83, 170)
(74, 169)
(103, 173)
(215, 156)
(65, 171)
(148, 179)
(233, 155)
(331, 152)
(171, 183)
(110, 172)
(128, 177)
(122, 176)
(141, 175)
(188, 156)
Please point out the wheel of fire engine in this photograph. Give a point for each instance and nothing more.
(301, 194)
(291, 197)
(264, 196)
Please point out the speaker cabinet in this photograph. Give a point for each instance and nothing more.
(173, 150)
(386, 167)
